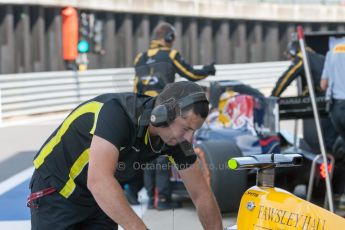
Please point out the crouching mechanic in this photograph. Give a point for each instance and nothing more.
(73, 185)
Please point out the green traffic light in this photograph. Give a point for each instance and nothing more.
(83, 46)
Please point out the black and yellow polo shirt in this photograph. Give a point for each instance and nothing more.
(296, 69)
(63, 159)
(157, 67)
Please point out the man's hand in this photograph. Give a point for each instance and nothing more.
(210, 69)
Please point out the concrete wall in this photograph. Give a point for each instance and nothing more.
(208, 8)
(224, 31)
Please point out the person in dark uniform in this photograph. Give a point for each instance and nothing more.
(157, 66)
(296, 70)
(73, 185)
(154, 69)
(333, 80)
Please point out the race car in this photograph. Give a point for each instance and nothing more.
(244, 123)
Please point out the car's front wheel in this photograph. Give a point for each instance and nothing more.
(227, 185)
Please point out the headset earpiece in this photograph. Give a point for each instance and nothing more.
(170, 35)
(164, 114)
(293, 48)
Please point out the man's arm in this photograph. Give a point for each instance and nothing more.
(103, 158)
(324, 84)
(325, 73)
(202, 196)
(294, 70)
(187, 71)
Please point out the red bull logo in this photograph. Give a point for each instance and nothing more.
(240, 110)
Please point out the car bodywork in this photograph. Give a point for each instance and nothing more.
(265, 206)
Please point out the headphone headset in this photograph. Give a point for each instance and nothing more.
(293, 48)
(165, 114)
(170, 35)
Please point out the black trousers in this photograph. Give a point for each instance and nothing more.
(338, 116)
(157, 175)
(58, 213)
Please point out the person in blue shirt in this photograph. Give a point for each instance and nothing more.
(333, 81)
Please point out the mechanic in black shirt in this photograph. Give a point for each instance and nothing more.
(157, 66)
(154, 69)
(295, 70)
(73, 185)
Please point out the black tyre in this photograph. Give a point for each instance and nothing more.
(227, 185)
(310, 134)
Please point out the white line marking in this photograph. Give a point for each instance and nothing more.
(15, 225)
(19, 178)
(15, 180)
(32, 120)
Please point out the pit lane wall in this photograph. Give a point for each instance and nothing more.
(28, 94)
(287, 10)
(225, 31)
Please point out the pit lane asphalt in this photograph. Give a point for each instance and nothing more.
(19, 142)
